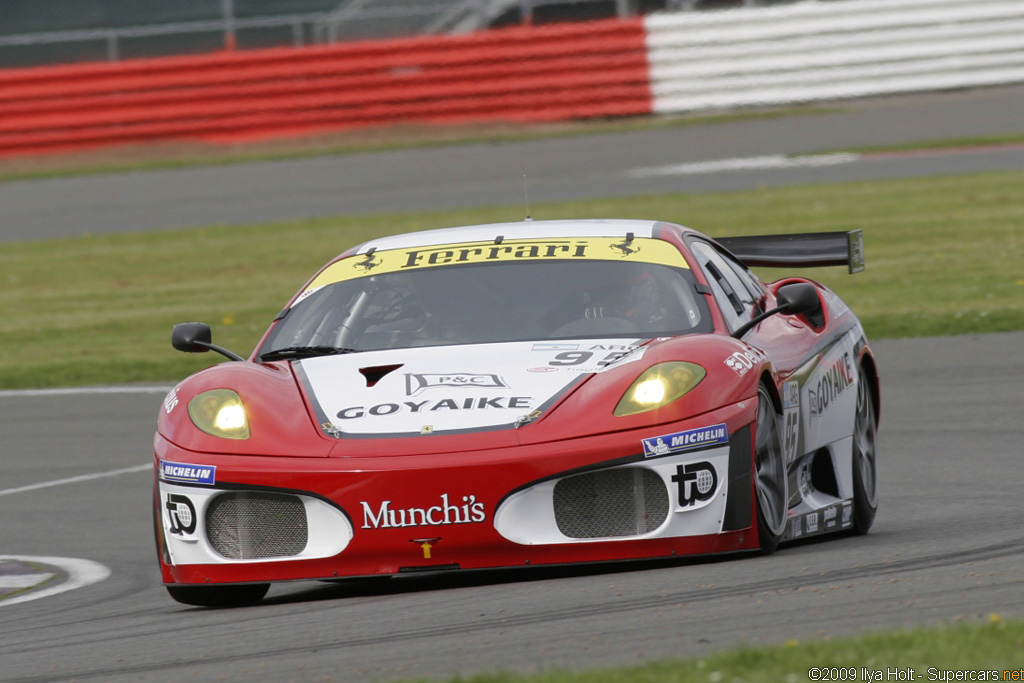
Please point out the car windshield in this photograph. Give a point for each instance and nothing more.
(492, 302)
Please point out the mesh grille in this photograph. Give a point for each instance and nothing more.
(621, 502)
(252, 525)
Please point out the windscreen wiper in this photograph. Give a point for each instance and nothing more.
(296, 352)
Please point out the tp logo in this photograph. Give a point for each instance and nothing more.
(697, 482)
(182, 514)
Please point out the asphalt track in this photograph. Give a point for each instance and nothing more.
(556, 169)
(946, 545)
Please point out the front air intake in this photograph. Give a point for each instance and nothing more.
(629, 501)
(255, 525)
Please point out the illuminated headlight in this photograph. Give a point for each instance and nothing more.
(659, 385)
(219, 413)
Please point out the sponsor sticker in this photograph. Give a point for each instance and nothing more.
(847, 514)
(798, 529)
(833, 383)
(667, 444)
(597, 358)
(384, 515)
(181, 514)
(791, 420)
(184, 473)
(417, 383)
(545, 346)
(812, 522)
(171, 401)
(696, 482)
(791, 395)
(741, 362)
(437, 405)
(374, 262)
(830, 516)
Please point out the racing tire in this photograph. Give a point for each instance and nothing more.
(864, 463)
(219, 596)
(770, 480)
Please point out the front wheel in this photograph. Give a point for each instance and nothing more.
(219, 596)
(865, 465)
(771, 483)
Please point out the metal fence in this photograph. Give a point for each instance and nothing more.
(239, 24)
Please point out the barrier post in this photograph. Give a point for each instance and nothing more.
(228, 10)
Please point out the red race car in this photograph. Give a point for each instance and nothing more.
(535, 393)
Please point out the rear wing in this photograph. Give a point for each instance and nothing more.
(800, 250)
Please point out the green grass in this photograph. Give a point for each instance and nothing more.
(932, 653)
(944, 256)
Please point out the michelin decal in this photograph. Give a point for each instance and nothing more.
(689, 440)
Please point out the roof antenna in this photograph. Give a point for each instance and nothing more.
(526, 194)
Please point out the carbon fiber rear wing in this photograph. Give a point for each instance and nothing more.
(800, 250)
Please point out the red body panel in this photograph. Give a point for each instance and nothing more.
(421, 481)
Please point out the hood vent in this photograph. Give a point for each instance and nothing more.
(378, 372)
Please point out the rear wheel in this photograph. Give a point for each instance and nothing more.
(865, 471)
(770, 475)
(219, 596)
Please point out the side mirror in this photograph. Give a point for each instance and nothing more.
(197, 338)
(798, 298)
(191, 337)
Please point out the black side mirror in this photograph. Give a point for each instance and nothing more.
(796, 298)
(191, 337)
(197, 338)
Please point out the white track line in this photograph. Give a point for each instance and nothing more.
(85, 391)
(80, 573)
(75, 480)
(745, 164)
(24, 580)
(81, 391)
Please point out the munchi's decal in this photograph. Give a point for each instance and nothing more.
(640, 249)
(691, 439)
(171, 401)
(468, 510)
(185, 473)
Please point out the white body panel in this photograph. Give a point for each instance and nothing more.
(441, 389)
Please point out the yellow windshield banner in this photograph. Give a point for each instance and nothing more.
(640, 249)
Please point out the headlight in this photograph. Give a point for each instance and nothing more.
(659, 385)
(219, 413)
